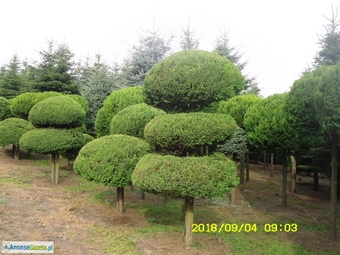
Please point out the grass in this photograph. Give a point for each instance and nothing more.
(165, 217)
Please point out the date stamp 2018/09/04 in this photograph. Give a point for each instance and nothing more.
(244, 227)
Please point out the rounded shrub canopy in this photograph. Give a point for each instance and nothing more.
(58, 112)
(12, 129)
(191, 80)
(81, 100)
(199, 177)
(4, 109)
(189, 130)
(237, 106)
(115, 102)
(51, 141)
(132, 119)
(22, 104)
(111, 159)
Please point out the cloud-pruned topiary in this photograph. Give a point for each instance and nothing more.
(115, 102)
(199, 177)
(4, 109)
(22, 104)
(186, 131)
(110, 160)
(132, 120)
(237, 106)
(58, 112)
(191, 80)
(11, 130)
(55, 141)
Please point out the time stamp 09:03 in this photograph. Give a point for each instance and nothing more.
(245, 227)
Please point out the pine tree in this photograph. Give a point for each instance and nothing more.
(152, 48)
(223, 48)
(329, 53)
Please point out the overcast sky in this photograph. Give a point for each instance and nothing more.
(278, 38)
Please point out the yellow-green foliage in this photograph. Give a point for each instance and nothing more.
(22, 104)
(117, 101)
(237, 106)
(199, 177)
(58, 111)
(12, 129)
(191, 80)
(110, 159)
(189, 130)
(132, 120)
(51, 141)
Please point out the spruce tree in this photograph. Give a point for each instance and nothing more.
(11, 81)
(329, 53)
(188, 41)
(152, 48)
(224, 49)
(55, 71)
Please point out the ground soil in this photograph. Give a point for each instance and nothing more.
(35, 209)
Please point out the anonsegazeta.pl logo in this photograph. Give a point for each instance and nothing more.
(27, 247)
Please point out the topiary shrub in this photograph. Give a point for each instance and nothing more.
(10, 132)
(4, 109)
(22, 104)
(132, 120)
(53, 116)
(199, 177)
(189, 131)
(191, 80)
(58, 112)
(110, 160)
(237, 106)
(81, 100)
(117, 101)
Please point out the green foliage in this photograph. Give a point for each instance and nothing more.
(199, 177)
(11, 82)
(12, 129)
(80, 100)
(301, 115)
(190, 80)
(71, 154)
(4, 109)
(58, 112)
(188, 41)
(114, 103)
(132, 119)
(54, 72)
(237, 144)
(189, 130)
(51, 141)
(237, 106)
(266, 125)
(327, 99)
(22, 104)
(110, 159)
(329, 53)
